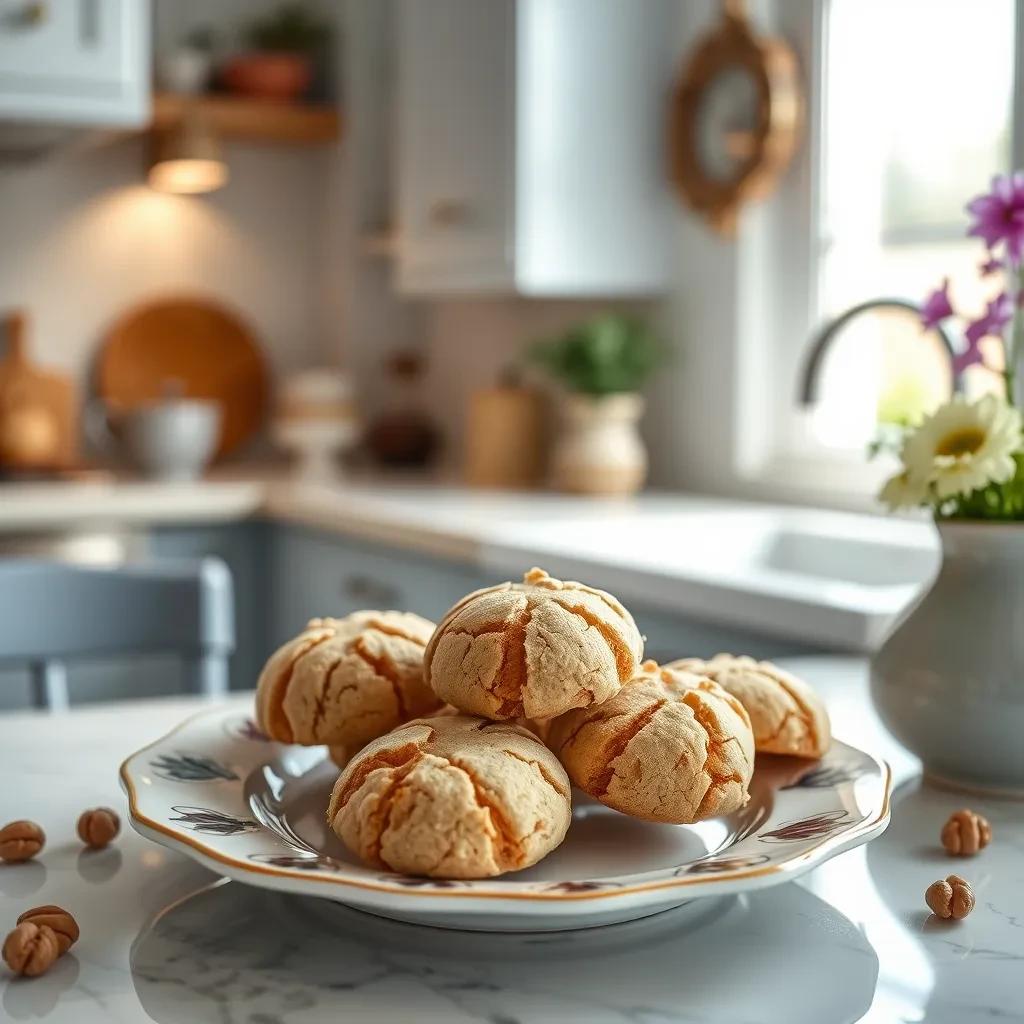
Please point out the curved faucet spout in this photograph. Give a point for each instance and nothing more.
(810, 378)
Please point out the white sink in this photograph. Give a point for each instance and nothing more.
(823, 577)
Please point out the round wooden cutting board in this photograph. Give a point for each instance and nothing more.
(190, 347)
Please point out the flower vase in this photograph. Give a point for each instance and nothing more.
(599, 450)
(949, 680)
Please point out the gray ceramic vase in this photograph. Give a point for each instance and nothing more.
(949, 680)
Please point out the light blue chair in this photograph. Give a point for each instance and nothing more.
(52, 613)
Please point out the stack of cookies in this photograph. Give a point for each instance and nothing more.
(459, 743)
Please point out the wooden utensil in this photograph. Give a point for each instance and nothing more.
(38, 408)
(199, 347)
(505, 438)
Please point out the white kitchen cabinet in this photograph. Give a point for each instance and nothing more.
(75, 62)
(530, 150)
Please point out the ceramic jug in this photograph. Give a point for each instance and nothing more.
(949, 680)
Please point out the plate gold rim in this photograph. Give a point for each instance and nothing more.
(843, 839)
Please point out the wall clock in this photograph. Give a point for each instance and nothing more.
(736, 119)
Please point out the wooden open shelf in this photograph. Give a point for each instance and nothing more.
(236, 117)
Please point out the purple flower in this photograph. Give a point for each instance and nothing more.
(936, 307)
(991, 324)
(999, 216)
(990, 266)
(998, 314)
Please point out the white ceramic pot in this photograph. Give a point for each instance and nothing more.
(599, 449)
(169, 439)
(316, 420)
(184, 70)
(949, 681)
(173, 440)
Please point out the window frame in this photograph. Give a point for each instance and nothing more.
(775, 453)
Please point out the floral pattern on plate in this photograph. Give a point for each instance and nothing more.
(245, 728)
(827, 775)
(807, 828)
(717, 865)
(261, 821)
(204, 819)
(310, 862)
(180, 767)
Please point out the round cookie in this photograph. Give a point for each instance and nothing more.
(533, 649)
(787, 716)
(452, 797)
(670, 747)
(341, 754)
(346, 681)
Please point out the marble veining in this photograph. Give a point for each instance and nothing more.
(164, 940)
(247, 952)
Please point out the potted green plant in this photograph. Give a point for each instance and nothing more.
(282, 48)
(602, 364)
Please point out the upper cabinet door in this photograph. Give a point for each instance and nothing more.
(530, 154)
(456, 145)
(75, 61)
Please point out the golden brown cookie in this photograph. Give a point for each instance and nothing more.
(341, 755)
(532, 649)
(670, 747)
(346, 681)
(787, 716)
(452, 797)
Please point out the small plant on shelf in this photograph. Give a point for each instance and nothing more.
(283, 49)
(610, 354)
(290, 28)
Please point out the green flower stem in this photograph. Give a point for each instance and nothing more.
(1016, 339)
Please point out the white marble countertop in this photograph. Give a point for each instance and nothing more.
(163, 940)
(831, 578)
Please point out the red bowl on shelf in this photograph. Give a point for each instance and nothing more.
(268, 76)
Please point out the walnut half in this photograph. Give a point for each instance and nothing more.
(98, 826)
(30, 949)
(21, 840)
(965, 833)
(63, 925)
(951, 898)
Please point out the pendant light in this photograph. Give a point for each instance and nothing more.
(187, 159)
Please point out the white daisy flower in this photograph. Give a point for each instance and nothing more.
(964, 445)
(904, 491)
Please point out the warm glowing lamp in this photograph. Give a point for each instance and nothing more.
(187, 159)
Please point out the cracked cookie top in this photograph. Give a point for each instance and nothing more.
(346, 681)
(533, 649)
(787, 716)
(670, 746)
(452, 797)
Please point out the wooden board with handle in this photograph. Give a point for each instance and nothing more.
(38, 408)
(192, 347)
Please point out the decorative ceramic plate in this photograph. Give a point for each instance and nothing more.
(254, 810)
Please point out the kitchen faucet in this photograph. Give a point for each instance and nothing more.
(809, 379)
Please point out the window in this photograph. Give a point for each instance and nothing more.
(907, 138)
(910, 114)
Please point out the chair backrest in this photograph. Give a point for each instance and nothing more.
(52, 612)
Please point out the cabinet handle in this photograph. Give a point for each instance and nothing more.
(448, 213)
(370, 592)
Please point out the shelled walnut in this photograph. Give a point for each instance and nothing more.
(952, 897)
(31, 949)
(21, 840)
(98, 826)
(965, 833)
(63, 925)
